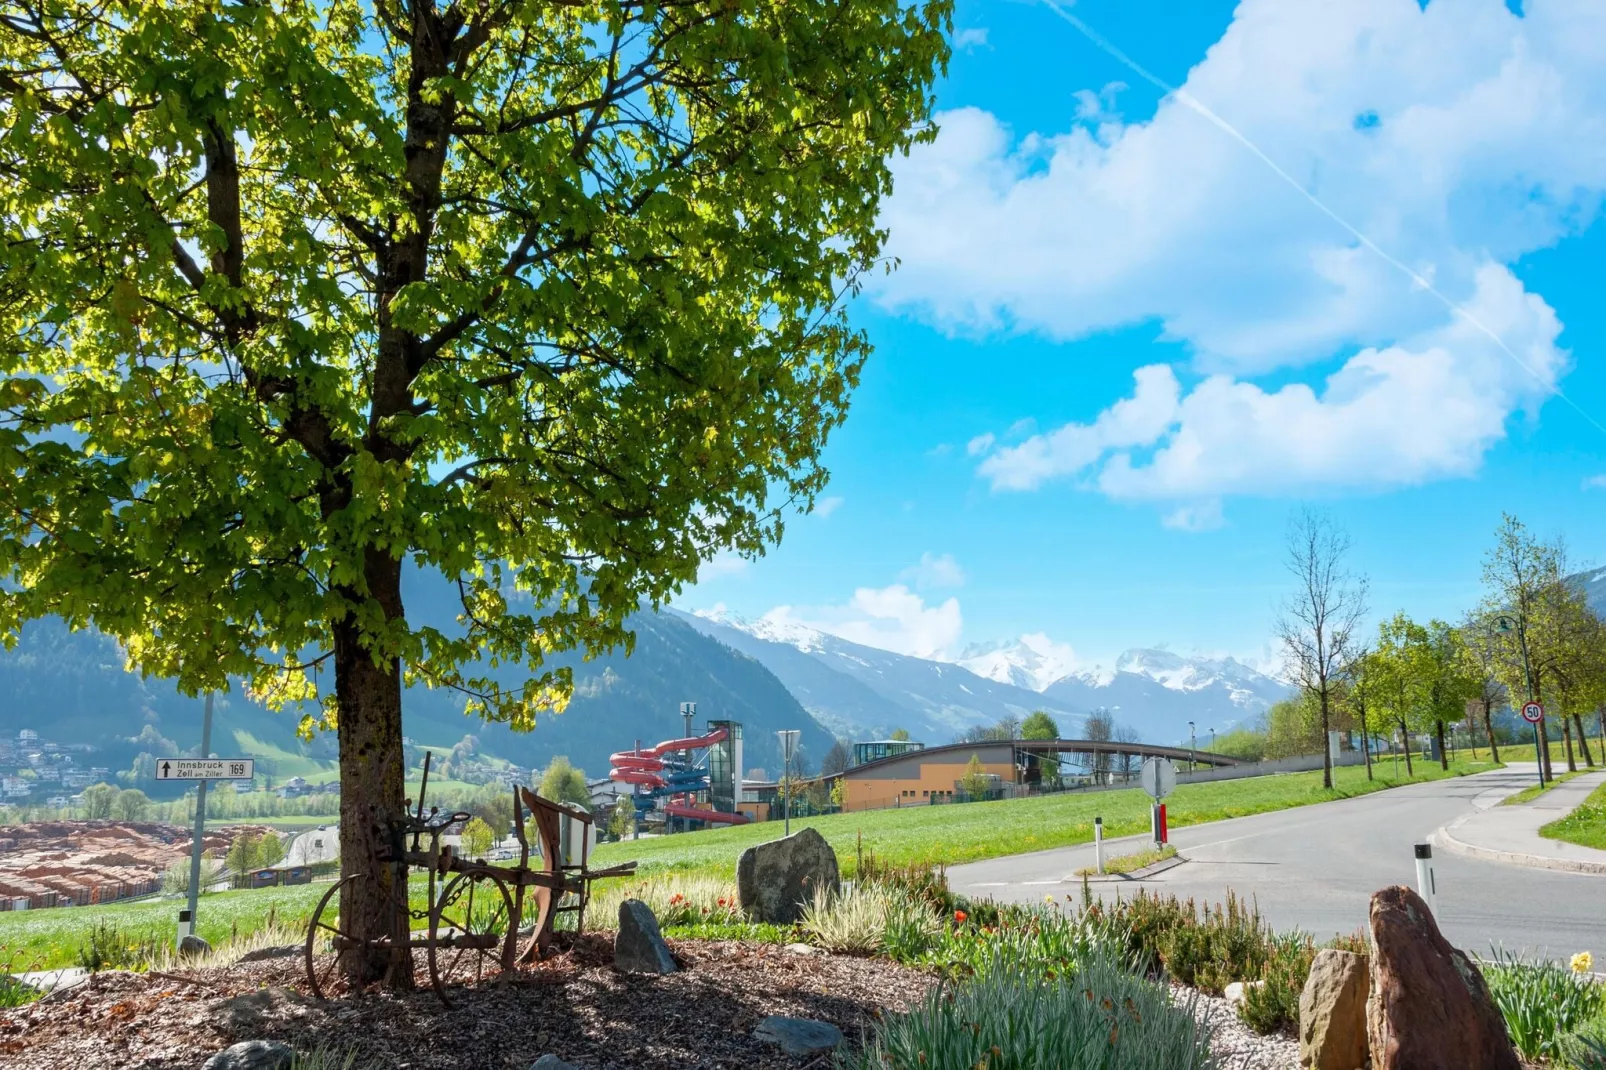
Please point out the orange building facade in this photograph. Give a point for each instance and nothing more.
(912, 779)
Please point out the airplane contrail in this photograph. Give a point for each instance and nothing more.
(1198, 107)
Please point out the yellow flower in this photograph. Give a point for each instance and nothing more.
(1048, 898)
(1582, 962)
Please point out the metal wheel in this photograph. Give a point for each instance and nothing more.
(469, 926)
(324, 935)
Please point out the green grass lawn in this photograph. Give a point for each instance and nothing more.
(1530, 794)
(1585, 826)
(1524, 752)
(972, 831)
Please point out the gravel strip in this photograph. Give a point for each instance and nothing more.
(1235, 1045)
(574, 1005)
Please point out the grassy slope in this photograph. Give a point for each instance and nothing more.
(973, 831)
(1585, 826)
(1524, 752)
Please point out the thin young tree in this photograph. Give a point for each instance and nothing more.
(1319, 624)
(1359, 682)
(1482, 649)
(1517, 569)
(542, 305)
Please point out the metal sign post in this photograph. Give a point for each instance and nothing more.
(1159, 779)
(1534, 713)
(788, 749)
(200, 822)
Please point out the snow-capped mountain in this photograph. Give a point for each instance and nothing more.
(862, 692)
(1033, 661)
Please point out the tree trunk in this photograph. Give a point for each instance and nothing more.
(1327, 749)
(1488, 729)
(1444, 755)
(1567, 738)
(372, 786)
(1405, 740)
(1366, 746)
(1583, 741)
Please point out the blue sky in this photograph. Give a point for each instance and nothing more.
(1121, 347)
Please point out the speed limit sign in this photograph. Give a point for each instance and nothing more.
(1532, 711)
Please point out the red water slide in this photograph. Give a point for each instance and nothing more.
(648, 759)
(697, 812)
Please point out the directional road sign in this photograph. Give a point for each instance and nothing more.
(1159, 777)
(204, 768)
(1532, 712)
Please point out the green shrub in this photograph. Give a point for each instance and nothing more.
(1586, 1049)
(1206, 948)
(111, 948)
(1038, 941)
(1543, 1002)
(867, 918)
(1273, 1005)
(923, 880)
(1096, 1016)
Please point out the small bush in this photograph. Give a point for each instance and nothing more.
(1273, 1005)
(1543, 1002)
(1096, 1015)
(1586, 1049)
(1035, 941)
(924, 881)
(110, 948)
(852, 921)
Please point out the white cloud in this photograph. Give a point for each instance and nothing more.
(1457, 138)
(1201, 516)
(980, 444)
(889, 618)
(1595, 482)
(970, 39)
(826, 506)
(933, 571)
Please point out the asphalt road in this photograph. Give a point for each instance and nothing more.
(1315, 867)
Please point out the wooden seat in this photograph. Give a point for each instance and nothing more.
(556, 879)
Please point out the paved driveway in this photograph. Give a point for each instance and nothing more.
(1315, 867)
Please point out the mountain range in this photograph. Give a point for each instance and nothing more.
(859, 691)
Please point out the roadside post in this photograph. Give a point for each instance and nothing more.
(1533, 713)
(1159, 779)
(204, 769)
(1098, 843)
(788, 750)
(1425, 884)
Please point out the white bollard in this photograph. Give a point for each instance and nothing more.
(1425, 884)
(1098, 843)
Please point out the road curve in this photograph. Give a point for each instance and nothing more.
(1315, 867)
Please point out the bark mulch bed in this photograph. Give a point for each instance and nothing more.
(574, 1006)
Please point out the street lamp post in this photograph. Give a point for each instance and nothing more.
(1192, 746)
(1505, 624)
(788, 747)
(1212, 741)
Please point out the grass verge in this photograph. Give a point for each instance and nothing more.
(1134, 861)
(1585, 826)
(1530, 794)
(954, 833)
(1524, 752)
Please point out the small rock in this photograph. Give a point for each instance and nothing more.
(1332, 1012)
(799, 1036)
(1429, 1007)
(1234, 993)
(640, 947)
(252, 1055)
(774, 880)
(263, 953)
(552, 1062)
(802, 949)
(250, 1010)
(193, 946)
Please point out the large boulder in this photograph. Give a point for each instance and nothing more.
(1332, 1012)
(1429, 1008)
(775, 879)
(640, 947)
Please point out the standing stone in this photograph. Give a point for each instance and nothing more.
(640, 947)
(252, 1055)
(774, 880)
(193, 946)
(1429, 1008)
(1332, 1012)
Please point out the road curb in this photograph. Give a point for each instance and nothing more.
(1136, 875)
(1443, 838)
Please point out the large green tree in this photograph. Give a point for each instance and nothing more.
(545, 300)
